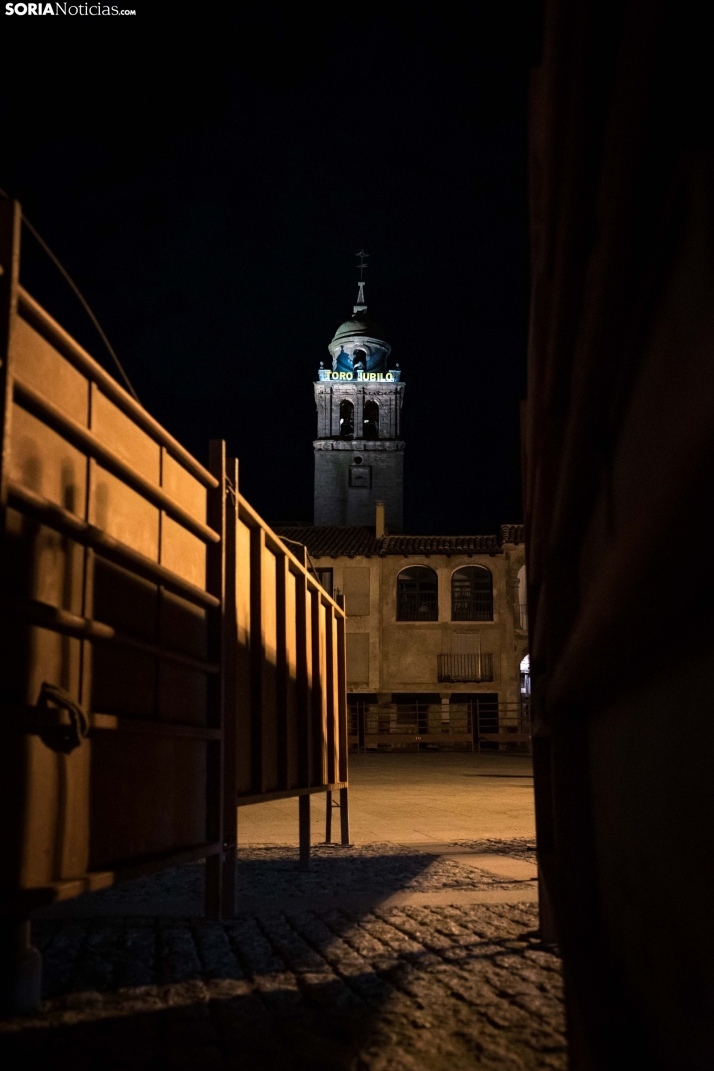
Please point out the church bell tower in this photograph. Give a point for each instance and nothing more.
(359, 455)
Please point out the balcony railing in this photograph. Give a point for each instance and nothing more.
(417, 606)
(465, 667)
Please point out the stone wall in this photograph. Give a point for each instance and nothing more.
(402, 656)
(336, 502)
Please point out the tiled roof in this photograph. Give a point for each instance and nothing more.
(337, 541)
(332, 540)
(513, 533)
(406, 544)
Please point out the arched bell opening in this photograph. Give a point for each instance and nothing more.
(347, 420)
(371, 420)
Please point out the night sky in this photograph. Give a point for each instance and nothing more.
(207, 178)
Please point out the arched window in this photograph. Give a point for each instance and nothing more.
(472, 594)
(359, 359)
(417, 594)
(347, 420)
(371, 421)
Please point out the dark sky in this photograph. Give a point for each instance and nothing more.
(207, 178)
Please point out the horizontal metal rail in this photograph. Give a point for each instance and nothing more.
(289, 793)
(506, 737)
(41, 320)
(26, 501)
(88, 443)
(50, 617)
(151, 727)
(23, 900)
(402, 737)
(21, 719)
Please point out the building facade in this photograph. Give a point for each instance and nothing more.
(436, 630)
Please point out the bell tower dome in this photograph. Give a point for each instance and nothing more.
(359, 456)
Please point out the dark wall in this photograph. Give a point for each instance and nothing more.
(620, 451)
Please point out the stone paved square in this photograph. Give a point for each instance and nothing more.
(385, 957)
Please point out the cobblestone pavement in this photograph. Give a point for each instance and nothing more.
(269, 871)
(408, 988)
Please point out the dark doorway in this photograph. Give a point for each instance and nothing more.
(483, 709)
(357, 703)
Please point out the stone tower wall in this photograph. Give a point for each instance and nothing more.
(336, 502)
(337, 499)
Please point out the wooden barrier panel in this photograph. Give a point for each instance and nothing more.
(112, 625)
(164, 657)
(291, 701)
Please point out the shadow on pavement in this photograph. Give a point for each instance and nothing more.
(394, 988)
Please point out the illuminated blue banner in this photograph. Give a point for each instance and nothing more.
(361, 377)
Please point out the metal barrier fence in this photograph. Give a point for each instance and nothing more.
(164, 658)
(470, 726)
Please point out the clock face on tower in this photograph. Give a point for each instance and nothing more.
(360, 475)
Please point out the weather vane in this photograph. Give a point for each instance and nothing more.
(360, 306)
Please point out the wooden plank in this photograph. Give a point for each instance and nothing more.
(231, 696)
(86, 441)
(216, 584)
(331, 704)
(291, 743)
(243, 657)
(317, 692)
(54, 516)
(41, 459)
(282, 669)
(148, 796)
(123, 436)
(253, 519)
(10, 227)
(342, 712)
(182, 486)
(269, 669)
(182, 552)
(38, 363)
(303, 675)
(257, 657)
(50, 617)
(41, 321)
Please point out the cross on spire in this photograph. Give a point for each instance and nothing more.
(362, 267)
